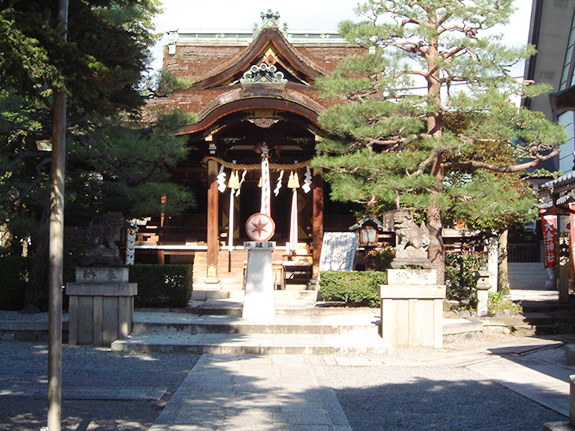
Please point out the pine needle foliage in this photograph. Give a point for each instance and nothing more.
(427, 118)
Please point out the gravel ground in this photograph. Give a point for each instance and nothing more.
(374, 397)
(25, 365)
(419, 397)
(432, 398)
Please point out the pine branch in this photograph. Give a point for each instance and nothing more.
(474, 164)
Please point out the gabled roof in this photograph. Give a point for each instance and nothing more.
(366, 219)
(302, 68)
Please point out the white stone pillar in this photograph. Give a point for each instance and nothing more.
(259, 299)
(492, 262)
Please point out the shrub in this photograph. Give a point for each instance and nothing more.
(14, 275)
(355, 288)
(162, 285)
(498, 301)
(379, 259)
(460, 280)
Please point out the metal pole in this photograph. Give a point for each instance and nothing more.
(58, 173)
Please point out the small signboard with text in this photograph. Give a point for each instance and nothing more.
(338, 251)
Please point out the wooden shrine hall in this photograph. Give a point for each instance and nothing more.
(252, 91)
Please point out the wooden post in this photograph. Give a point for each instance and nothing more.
(317, 184)
(57, 180)
(213, 234)
(161, 255)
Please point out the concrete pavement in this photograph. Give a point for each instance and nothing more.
(294, 392)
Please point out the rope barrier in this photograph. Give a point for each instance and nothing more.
(258, 166)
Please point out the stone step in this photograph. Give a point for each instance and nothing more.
(237, 293)
(518, 320)
(456, 329)
(526, 324)
(229, 324)
(353, 333)
(254, 344)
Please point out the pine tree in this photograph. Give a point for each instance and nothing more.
(427, 119)
(115, 162)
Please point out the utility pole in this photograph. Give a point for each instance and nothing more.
(58, 173)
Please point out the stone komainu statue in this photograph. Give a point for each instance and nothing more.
(409, 234)
(100, 240)
(104, 234)
(412, 241)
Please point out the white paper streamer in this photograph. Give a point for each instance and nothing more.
(307, 180)
(241, 182)
(221, 180)
(279, 184)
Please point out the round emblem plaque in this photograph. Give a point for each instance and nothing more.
(260, 227)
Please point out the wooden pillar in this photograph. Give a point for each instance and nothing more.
(213, 234)
(317, 185)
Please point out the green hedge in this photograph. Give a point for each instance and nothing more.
(14, 274)
(162, 285)
(356, 289)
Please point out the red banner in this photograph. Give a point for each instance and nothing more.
(572, 232)
(549, 223)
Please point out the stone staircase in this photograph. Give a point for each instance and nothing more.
(527, 275)
(216, 327)
(524, 324)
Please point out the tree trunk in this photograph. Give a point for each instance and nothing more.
(435, 128)
(436, 254)
(503, 270)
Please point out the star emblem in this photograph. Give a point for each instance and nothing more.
(260, 227)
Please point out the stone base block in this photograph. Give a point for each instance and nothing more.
(412, 309)
(101, 305)
(411, 276)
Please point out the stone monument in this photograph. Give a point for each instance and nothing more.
(102, 299)
(412, 301)
(259, 298)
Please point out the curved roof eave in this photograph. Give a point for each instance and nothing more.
(255, 49)
(219, 112)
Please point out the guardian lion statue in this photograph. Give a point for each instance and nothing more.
(412, 241)
(100, 241)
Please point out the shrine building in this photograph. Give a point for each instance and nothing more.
(252, 91)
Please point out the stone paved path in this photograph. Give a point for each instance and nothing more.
(277, 392)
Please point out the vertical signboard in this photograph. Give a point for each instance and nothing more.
(549, 223)
(572, 231)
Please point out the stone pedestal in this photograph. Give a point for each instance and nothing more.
(101, 305)
(483, 287)
(259, 300)
(412, 308)
(565, 426)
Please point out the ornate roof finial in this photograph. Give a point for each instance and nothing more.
(270, 19)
